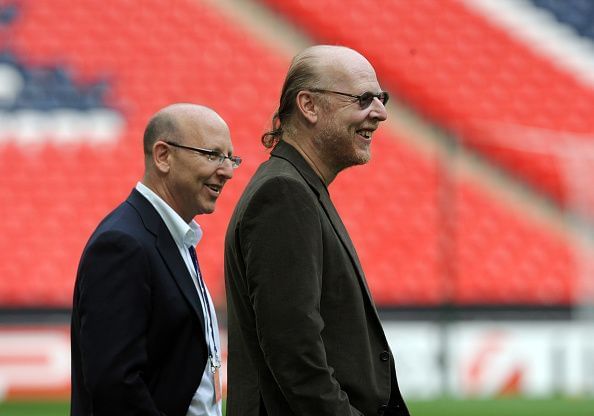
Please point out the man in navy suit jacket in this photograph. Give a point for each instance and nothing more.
(144, 331)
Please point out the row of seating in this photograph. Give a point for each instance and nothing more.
(414, 249)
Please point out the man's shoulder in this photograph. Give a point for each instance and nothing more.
(272, 182)
(278, 165)
(123, 219)
(274, 174)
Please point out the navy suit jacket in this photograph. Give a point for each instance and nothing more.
(137, 327)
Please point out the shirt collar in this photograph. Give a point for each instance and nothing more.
(183, 234)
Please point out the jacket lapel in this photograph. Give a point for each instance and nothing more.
(168, 251)
(170, 254)
(344, 237)
(288, 152)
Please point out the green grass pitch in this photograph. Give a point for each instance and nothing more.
(504, 407)
(442, 407)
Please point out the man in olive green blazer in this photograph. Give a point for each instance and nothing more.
(304, 334)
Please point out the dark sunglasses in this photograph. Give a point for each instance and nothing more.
(364, 99)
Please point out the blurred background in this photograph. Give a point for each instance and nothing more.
(474, 220)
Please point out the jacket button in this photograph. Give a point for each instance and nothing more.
(384, 356)
(382, 409)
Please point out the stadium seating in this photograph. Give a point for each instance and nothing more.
(55, 191)
(131, 60)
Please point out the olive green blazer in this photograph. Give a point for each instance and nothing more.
(304, 335)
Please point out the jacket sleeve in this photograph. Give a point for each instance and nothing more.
(281, 241)
(113, 307)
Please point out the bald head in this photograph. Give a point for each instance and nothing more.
(172, 122)
(331, 62)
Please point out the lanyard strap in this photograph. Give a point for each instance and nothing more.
(204, 297)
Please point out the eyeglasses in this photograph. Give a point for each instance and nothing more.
(364, 99)
(211, 155)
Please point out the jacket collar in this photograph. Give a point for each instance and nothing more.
(286, 151)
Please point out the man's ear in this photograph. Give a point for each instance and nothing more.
(307, 106)
(161, 156)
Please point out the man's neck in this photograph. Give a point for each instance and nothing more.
(161, 190)
(309, 153)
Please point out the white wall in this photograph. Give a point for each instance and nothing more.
(481, 359)
(485, 359)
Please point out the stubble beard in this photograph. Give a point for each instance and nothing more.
(339, 148)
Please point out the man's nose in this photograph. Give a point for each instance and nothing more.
(225, 169)
(378, 110)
